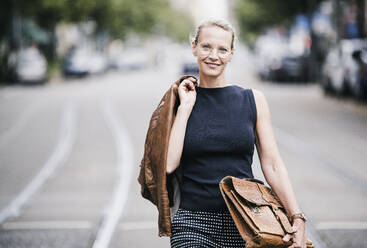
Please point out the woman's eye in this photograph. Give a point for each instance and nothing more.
(223, 49)
(206, 46)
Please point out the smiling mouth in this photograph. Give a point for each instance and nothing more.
(212, 64)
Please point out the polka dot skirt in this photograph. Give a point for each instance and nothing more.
(204, 229)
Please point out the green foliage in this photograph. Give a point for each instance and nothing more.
(144, 17)
(118, 17)
(254, 15)
(174, 24)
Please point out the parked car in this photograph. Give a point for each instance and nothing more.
(76, 63)
(291, 68)
(190, 68)
(97, 63)
(333, 72)
(81, 62)
(345, 68)
(28, 66)
(129, 59)
(270, 48)
(357, 84)
(281, 59)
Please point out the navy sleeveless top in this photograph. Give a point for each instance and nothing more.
(219, 141)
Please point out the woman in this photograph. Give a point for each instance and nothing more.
(213, 135)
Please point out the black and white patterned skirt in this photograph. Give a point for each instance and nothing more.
(204, 229)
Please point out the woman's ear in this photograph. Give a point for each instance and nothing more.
(193, 48)
(231, 55)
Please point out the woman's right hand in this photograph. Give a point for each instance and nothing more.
(187, 93)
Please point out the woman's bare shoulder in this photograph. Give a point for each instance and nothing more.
(259, 95)
(260, 100)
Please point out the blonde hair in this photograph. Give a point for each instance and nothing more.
(221, 23)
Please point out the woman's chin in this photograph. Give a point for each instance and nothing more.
(211, 72)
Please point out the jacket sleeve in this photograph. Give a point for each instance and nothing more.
(149, 163)
(152, 176)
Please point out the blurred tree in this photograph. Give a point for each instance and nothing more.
(253, 16)
(120, 17)
(115, 17)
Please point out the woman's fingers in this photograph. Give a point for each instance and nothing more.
(298, 238)
(296, 246)
(297, 241)
(188, 84)
(287, 237)
(192, 79)
(186, 91)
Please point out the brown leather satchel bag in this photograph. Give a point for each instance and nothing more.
(257, 212)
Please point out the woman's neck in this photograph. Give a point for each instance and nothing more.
(212, 82)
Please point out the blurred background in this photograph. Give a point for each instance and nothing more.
(80, 79)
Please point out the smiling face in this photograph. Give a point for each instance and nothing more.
(213, 50)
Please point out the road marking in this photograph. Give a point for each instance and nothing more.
(58, 157)
(138, 225)
(125, 168)
(342, 225)
(30, 225)
(19, 124)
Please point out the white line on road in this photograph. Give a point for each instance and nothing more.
(19, 124)
(125, 168)
(29, 225)
(61, 152)
(342, 225)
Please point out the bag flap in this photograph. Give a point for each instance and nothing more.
(261, 217)
(255, 193)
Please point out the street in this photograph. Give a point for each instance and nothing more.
(70, 154)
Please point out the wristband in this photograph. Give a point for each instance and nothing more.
(298, 216)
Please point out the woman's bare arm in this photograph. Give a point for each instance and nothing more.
(187, 96)
(176, 139)
(272, 164)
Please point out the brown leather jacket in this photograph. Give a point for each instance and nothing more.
(156, 185)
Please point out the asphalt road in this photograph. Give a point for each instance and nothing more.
(70, 151)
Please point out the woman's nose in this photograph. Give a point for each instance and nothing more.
(213, 54)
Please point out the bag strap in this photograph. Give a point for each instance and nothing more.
(254, 180)
(282, 218)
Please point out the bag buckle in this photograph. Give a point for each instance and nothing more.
(256, 210)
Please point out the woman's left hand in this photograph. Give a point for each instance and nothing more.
(298, 238)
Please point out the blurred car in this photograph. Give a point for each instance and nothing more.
(80, 62)
(190, 68)
(333, 73)
(284, 55)
(76, 63)
(356, 76)
(281, 59)
(290, 68)
(270, 48)
(97, 63)
(357, 84)
(344, 68)
(129, 59)
(28, 66)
